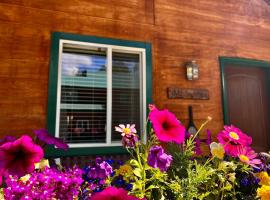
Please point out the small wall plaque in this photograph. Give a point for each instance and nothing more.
(184, 93)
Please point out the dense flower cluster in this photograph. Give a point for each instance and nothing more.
(170, 165)
(45, 184)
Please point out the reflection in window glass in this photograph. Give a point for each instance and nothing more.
(83, 95)
(125, 91)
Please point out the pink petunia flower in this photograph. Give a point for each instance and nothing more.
(19, 157)
(113, 193)
(44, 136)
(166, 126)
(126, 130)
(247, 155)
(232, 138)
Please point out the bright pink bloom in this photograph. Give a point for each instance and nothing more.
(232, 138)
(166, 126)
(113, 193)
(19, 157)
(247, 155)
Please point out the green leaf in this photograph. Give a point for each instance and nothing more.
(138, 172)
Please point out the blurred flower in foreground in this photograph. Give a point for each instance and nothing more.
(264, 178)
(44, 136)
(217, 150)
(264, 192)
(113, 193)
(158, 159)
(19, 157)
(167, 127)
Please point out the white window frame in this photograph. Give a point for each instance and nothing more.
(110, 49)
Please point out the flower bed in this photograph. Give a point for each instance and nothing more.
(168, 166)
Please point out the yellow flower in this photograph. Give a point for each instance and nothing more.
(234, 135)
(264, 192)
(42, 164)
(25, 178)
(217, 150)
(126, 171)
(264, 178)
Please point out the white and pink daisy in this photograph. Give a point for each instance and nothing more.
(126, 130)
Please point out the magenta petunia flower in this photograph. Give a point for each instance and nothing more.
(166, 126)
(157, 158)
(44, 136)
(247, 155)
(232, 138)
(19, 157)
(113, 193)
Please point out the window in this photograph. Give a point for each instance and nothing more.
(96, 84)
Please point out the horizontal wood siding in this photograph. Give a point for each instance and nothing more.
(178, 30)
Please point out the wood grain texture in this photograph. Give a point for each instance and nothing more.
(178, 30)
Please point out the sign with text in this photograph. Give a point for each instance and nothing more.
(184, 93)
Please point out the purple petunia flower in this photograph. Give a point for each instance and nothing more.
(19, 157)
(7, 138)
(158, 159)
(44, 136)
(101, 170)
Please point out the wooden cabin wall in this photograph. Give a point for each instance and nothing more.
(179, 31)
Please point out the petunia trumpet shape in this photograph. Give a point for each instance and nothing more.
(157, 158)
(44, 136)
(113, 193)
(166, 126)
(232, 138)
(19, 157)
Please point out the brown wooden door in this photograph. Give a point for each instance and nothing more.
(248, 103)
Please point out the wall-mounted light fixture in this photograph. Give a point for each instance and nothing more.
(192, 70)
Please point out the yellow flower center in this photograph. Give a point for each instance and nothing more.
(234, 135)
(244, 158)
(127, 131)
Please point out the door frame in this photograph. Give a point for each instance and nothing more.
(244, 62)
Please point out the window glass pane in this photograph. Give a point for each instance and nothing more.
(125, 91)
(83, 94)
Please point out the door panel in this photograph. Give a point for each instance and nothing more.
(248, 103)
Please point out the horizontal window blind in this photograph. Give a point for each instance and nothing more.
(83, 94)
(100, 88)
(125, 91)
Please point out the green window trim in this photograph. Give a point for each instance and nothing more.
(245, 62)
(52, 89)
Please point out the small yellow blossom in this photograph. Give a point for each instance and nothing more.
(217, 150)
(234, 135)
(42, 164)
(264, 178)
(25, 178)
(126, 171)
(264, 192)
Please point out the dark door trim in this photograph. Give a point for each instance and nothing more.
(240, 62)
